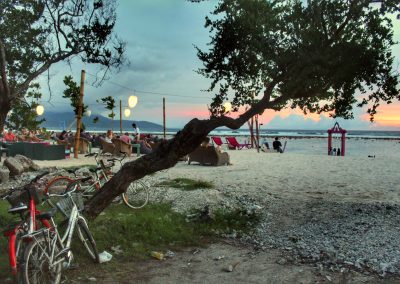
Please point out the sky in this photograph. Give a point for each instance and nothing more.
(160, 38)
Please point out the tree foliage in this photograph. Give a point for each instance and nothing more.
(109, 103)
(23, 113)
(72, 92)
(35, 34)
(320, 56)
(271, 54)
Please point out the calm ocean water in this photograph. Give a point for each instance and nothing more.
(372, 134)
(359, 142)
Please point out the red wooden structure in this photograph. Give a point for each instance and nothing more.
(337, 129)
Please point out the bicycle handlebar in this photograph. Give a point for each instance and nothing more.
(71, 187)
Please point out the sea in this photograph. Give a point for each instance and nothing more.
(365, 143)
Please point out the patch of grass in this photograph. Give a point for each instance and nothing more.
(186, 184)
(153, 228)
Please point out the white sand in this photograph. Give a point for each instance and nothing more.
(300, 176)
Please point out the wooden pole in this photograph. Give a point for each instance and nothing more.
(164, 123)
(120, 116)
(257, 134)
(79, 116)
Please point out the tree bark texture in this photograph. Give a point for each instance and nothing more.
(5, 95)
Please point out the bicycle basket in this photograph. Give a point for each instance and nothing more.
(66, 204)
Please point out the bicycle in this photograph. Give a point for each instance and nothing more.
(29, 217)
(48, 252)
(135, 197)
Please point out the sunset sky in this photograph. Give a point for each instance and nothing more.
(160, 36)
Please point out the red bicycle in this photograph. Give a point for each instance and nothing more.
(31, 218)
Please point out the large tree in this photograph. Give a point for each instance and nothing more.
(321, 56)
(35, 34)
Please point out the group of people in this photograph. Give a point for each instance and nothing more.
(23, 135)
(276, 145)
(146, 142)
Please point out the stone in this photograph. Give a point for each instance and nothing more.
(4, 174)
(27, 163)
(14, 165)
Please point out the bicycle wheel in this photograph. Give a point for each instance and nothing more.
(57, 185)
(87, 240)
(137, 195)
(37, 266)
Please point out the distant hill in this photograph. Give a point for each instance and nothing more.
(63, 120)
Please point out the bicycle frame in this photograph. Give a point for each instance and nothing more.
(25, 228)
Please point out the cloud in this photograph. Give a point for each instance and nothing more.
(387, 116)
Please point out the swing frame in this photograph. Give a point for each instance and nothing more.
(337, 129)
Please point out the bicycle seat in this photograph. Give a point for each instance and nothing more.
(47, 215)
(20, 207)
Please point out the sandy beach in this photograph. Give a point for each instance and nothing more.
(314, 175)
(342, 212)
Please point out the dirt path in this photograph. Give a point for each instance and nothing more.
(212, 264)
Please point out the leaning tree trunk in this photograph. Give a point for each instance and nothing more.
(5, 107)
(165, 156)
(169, 152)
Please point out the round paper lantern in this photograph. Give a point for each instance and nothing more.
(39, 110)
(132, 101)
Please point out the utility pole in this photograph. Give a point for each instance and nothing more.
(79, 116)
(120, 116)
(164, 123)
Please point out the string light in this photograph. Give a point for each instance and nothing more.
(39, 110)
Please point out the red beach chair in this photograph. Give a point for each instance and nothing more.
(234, 144)
(217, 140)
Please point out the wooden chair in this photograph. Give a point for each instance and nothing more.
(84, 146)
(121, 146)
(107, 147)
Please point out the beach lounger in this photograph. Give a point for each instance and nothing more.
(217, 140)
(233, 144)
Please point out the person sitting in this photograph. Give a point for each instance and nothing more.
(277, 145)
(63, 135)
(264, 144)
(32, 137)
(9, 136)
(125, 138)
(85, 135)
(109, 136)
(206, 142)
(23, 136)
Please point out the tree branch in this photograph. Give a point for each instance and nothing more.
(169, 152)
(25, 85)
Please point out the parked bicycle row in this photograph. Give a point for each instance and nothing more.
(40, 242)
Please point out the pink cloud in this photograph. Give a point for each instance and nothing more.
(388, 115)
